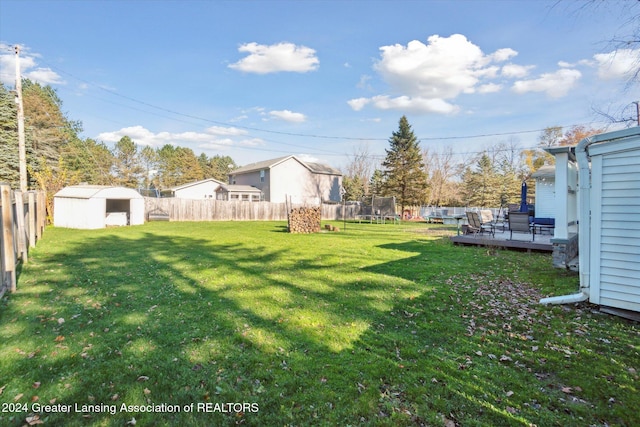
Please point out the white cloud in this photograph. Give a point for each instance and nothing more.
(516, 71)
(220, 130)
(406, 103)
(364, 82)
(264, 59)
(489, 88)
(555, 85)
(288, 116)
(425, 77)
(307, 158)
(44, 76)
(502, 55)
(215, 137)
(28, 67)
(619, 64)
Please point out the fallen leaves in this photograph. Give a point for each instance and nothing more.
(33, 420)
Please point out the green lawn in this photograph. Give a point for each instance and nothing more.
(226, 323)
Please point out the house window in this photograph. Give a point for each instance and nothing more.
(233, 179)
(262, 175)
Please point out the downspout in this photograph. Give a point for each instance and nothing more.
(584, 227)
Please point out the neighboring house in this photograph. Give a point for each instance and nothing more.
(97, 206)
(291, 178)
(244, 193)
(205, 189)
(608, 211)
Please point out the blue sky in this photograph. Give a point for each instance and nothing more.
(322, 79)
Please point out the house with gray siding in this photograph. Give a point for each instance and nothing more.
(291, 177)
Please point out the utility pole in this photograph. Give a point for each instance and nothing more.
(22, 155)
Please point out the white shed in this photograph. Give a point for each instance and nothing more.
(545, 192)
(97, 206)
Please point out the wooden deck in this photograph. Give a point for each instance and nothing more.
(520, 241)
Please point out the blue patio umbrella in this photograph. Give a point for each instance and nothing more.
(523, 198)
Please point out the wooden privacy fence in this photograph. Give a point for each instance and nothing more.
(23, 219)
(222, 210)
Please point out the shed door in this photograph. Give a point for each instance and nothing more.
(615, 229)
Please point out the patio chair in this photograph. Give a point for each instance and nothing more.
(487, 218)
(519, 222)
(476, 226)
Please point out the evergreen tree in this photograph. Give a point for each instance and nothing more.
(404, 175)
(90, 161)
(9, 170)
(375, 183)
(221, 167)
(177, 166)
(482, 185)
(127, 168)
(47, 129)
(353, 188)
(149, 159)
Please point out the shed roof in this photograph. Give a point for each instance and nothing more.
(97, 191)
(546, 172)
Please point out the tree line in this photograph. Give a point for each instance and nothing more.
(57, 156)
(492, 177)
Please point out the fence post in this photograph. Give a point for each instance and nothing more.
(41, 217)
(32, 219)
(8, 251)
(22, 243)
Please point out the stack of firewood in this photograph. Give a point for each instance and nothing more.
(305, 220)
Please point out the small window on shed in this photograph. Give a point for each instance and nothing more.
(255, 198)
(245, 197)
(234, 197)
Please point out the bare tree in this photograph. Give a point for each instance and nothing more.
(625, 41)
(441, 169)
(358, 172)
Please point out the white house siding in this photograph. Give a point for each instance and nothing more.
(615, 225)
(252, 179)
(572, 197)
(198, 190)
(545, 198)
(291, 178)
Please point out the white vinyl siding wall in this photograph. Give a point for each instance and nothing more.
(615, 225)
(545, 199)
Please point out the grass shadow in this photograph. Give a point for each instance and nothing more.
(360, 327)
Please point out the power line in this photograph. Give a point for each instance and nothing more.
(304, 135)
